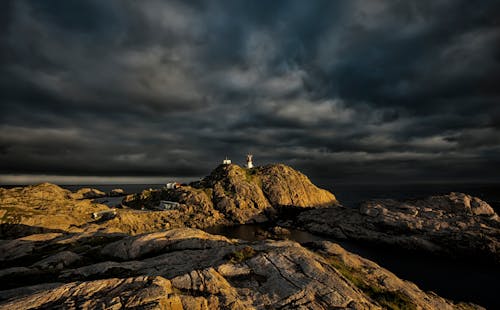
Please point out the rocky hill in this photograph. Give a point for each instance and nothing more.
(242, 195)
(42, 208)
(229, 195)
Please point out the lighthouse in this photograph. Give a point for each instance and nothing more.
(249, 161)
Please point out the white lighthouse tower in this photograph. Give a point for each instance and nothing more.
(249, 161)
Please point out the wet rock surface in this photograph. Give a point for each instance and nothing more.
(455, 224)
(190, 269)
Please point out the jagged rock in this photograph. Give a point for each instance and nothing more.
(455, 223)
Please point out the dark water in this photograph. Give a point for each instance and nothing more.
(128, 188)
(458, 280)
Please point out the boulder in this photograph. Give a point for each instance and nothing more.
(117, 192)
(88, 193)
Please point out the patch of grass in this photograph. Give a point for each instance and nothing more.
(252, 177)
(394, 300)
(391, 299)
(241, 255)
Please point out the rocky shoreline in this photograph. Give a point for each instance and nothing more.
(456, 225)
(58, 250)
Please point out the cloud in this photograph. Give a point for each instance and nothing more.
(347, 90)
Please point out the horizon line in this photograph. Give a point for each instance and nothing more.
(30, 179)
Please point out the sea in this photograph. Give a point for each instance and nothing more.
(459, 280)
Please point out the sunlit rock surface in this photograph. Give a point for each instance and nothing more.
(190, 269)
(240, 195)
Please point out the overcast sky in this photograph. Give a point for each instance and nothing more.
(345, 91)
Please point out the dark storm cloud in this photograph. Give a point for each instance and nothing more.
(346, 90)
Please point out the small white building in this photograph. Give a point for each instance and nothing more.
(168, 205)
(226, 161)
(172, 185)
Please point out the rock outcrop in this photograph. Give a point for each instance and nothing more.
(88, 193)
(116, 192)
(456, 224)
(42, 208)
(47, 207)
(284, 186)
(242, 195)
(229, 195)
(190, 269)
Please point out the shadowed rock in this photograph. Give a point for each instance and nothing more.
(456, 224)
